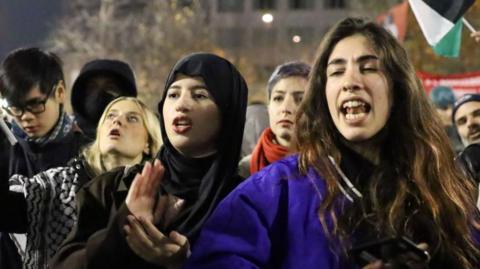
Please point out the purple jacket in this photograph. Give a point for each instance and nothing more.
(269, 221)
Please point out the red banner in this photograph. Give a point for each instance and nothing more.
(460, 83)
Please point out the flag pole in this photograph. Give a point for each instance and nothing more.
(469, 26)
(3, 126)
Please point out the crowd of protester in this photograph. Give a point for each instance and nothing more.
(347, 163)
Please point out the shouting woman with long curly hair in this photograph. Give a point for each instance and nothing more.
(373, 163)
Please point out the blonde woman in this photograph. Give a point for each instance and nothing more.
(128, 133)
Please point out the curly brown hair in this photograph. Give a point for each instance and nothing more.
(425, 195)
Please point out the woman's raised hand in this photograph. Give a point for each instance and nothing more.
(149, 208)
(142, 195)
(476, 36)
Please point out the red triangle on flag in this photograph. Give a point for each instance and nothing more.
(395, 20)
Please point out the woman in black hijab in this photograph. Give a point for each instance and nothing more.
(202, 119)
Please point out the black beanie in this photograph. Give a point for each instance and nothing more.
(464, 99)
(88, 104)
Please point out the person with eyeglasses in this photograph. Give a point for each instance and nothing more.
(33, 86)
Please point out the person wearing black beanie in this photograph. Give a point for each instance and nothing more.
(100, 81)
(466, 118)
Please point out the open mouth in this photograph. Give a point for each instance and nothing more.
(114, 133)
(182, 124)
(355, 109)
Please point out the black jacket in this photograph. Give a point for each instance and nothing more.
(9, 257)
(28, 159)
(469, 161)
(98, 239)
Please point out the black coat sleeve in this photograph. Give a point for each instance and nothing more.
(13, 207)
(12, 204)
(469, 162)
(98, 240)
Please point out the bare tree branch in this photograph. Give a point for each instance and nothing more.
(150, 35)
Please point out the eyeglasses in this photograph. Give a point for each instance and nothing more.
(35, 106)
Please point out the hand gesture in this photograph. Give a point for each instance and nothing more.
(153, 246)
(142, 195)
(476, 35)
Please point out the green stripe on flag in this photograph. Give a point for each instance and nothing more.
(449, 45)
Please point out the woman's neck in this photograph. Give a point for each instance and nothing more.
(370, 150)
(111, 161)
(196, 154)
(282, 142)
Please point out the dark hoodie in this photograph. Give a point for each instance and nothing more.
(89, 101)
(469, 162)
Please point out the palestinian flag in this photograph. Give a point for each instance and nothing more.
(395, 20)
(439, 20)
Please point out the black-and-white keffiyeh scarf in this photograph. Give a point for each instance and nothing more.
(51, 210)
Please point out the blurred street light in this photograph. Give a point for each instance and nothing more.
(296, 39)
(267, 18)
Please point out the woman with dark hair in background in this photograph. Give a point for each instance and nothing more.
(146, 217)
(373, 163)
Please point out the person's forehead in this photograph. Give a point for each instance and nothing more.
(34, 93)
(185, 79)
(352, 47)
(126, 106)
(290, 84)
(467, 108)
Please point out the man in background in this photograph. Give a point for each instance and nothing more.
(443, 99)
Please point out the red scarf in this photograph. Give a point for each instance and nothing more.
(266, 151)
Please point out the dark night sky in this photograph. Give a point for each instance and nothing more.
(25, 23)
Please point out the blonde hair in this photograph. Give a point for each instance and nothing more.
(92, 152)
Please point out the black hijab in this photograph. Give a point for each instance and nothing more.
(203, 182)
